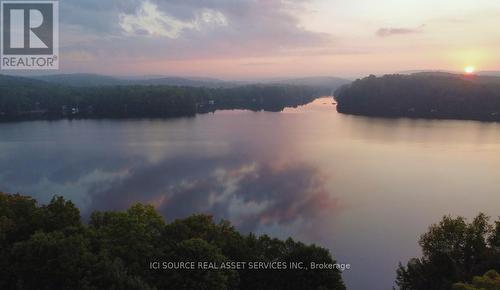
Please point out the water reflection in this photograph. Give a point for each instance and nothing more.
(363, 187)
(240, 183)
(446, 132)
(248, 192)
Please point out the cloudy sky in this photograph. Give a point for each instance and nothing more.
(239, 39)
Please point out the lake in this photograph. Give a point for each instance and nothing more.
(365, 188)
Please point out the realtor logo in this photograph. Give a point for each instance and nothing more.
(29, 35)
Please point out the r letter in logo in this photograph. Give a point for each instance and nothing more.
(29, 35)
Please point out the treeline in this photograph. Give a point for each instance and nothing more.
(456, 254)
(421, 96)
(22, 98)
(48, 247)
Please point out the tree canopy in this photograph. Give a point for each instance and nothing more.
(49, 247)
(489, 281)
(454, 250)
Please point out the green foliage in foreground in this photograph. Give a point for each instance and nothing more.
(48, 247)
(490, 281)
(453, 251)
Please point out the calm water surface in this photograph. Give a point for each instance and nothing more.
(365, 188)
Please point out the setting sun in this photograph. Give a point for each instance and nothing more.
(469, 70)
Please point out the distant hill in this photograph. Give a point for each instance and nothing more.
(183, 82)
(476, 78)
(326, 84)
(489, 73)
(81, 80)
(12, 87)
(423, 95)
(415, 71)
(93, 80)
(7, 81)
(480, 76)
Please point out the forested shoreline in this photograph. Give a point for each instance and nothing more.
(427, 95)
(26, 99)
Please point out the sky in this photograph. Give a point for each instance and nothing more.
(248, 39)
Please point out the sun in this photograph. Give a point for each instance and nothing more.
(469, 70)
